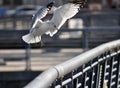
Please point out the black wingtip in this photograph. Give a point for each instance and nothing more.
(81, 2)
(50, 4)
(78, 1)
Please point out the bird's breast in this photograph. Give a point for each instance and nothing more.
(42, 28)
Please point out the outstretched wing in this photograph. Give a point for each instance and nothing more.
(41, 13)
(63, 13)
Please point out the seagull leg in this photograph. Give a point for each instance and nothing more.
(35, 39)
(42, 44)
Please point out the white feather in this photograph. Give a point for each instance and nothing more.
(63, 13)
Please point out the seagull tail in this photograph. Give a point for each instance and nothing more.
(30, 38)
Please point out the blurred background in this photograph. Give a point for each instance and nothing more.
(97, 23)
(17, 14)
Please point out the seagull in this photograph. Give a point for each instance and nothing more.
(51, 27)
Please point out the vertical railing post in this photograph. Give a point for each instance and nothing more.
(84, 76)
(98, 76)
(28, 62)
(91, 78)
(75, 83)
(118, 71)
(5, 23)
(103, 74)
(14, 22)
(84, 40)
(110, 73)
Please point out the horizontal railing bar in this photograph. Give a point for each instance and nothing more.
(74, 77)
(106, 81)
(92, 29)
(113, 83)
(108, 66)
(86, 69)
(100, 59)
(66, 81)
(114, 76)
(113, 54)
(106, 74)
(115, 69)
(79, 85)
(77, 75)
(87, 79)
(72, 30)
(59, 86)
(94, 64)
(114, 63)
(106, 57)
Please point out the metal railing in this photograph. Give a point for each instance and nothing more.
(96, 68)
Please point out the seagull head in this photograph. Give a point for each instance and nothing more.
(82, 3)
(50, 5)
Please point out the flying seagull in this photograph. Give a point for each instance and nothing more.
(50, 27)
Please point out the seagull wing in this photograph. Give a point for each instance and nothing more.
(41, 13)
(63, 13)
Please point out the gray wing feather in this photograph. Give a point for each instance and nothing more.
(41, 13)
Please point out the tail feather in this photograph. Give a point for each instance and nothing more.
(29, 38)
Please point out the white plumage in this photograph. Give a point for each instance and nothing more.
(60, 16)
